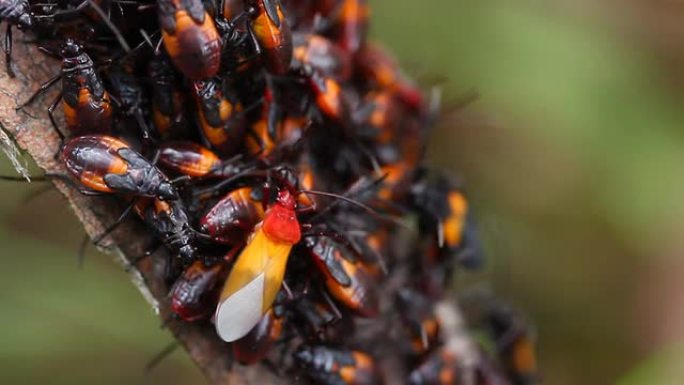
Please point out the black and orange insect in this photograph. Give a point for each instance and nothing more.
(323, 55)
(329, 95)
(168, 100)
(273, 134)
(238, 55)
(335, 366)
(104, 165)
(233, 217)
(263, 143)
(420, 321)
(220, 115)
(194, 160)
(441, 368)
(190, 37)
(195, 292)
(169, 221)
(315, 315)
(87, 105)
(374, 248)
(443, 209)
(272, 34)
(128, 95)
(514, 341)
(396, 183)
(350, 24)
(381, 71)
(345, 277)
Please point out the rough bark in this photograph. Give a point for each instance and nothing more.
(31, 130)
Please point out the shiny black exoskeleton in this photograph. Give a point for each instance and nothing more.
(129, 96)
(14, 13)
(170, 222)
(333, 366)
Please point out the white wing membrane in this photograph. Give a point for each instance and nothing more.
(238, 314)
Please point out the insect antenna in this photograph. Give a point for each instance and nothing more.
(110, 25)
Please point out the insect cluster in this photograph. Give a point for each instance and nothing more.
(277, 154)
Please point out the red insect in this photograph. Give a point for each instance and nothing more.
(258, 272)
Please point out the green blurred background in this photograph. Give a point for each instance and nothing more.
(572, 158)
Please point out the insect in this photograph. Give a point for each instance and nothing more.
(168, 110)
(514, 342)
(273, 133)
(14, 13)
(288, 131)
(128, 95)
(323, 55)
(195, 292)
(346, 278)
(258, 272)
(373, 249)
(105, 164)
(21, 14)
(87, 105)
(190, 37)
(238, 52)
(448, 227)
(232, 219)
(396, 183)
(420, 321)
(255, 345)
(329, 96)
(272, 34)
(169, 221)
(314, 315)
(441, 368)
(220, 116)
(194, 160)
(382, 72)
(350, 24)
(443, 208)
(333, 366)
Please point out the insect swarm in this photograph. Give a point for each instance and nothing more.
(284, 261)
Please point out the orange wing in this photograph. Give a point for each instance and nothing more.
(252, 286)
